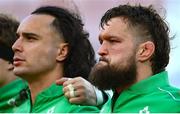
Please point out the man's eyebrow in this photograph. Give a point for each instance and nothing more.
(30, 34)
(107, 36)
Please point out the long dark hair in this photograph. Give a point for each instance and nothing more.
(8, 27)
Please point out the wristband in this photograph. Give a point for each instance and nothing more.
(99, 96)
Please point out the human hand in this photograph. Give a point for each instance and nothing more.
(84, 93)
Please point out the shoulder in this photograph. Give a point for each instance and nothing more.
(84, 109)
(63, 105)
(172, 92)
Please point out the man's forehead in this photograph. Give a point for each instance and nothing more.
(35, 22)
(114, 24)
(38, 19)
(118, 23)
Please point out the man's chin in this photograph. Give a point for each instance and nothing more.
(107, 77)
(18, 72)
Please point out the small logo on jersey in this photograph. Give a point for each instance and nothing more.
(51, 110)
(12, 102)
(144, 111)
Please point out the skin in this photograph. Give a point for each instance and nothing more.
(39, 52)
(6, 74)
(84, 91)
(116, 43)
(119, 41)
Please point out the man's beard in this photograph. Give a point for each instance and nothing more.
(112, 77)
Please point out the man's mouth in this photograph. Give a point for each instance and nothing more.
(17, 61)
(103, 59)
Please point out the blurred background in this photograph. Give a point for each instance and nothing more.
(91, 12)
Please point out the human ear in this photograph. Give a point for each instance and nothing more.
(145, 51)
(62, 52)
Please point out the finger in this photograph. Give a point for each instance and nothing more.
(70, 94)
(61, 81)
(67, 88)
(77, 93)
(67, 94)
(69, 81)
(76, 87)
(76, 100)
(73, 81)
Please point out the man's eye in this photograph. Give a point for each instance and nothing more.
(30, 38)
(112, 41)
(100, 41)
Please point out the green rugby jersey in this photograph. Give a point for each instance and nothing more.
(10, 97)
(151, 95)
(52, 100)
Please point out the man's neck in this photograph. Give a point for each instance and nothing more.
(42, 82)
(9, 78)
(144, 72)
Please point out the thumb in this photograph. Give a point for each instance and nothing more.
(61, 81)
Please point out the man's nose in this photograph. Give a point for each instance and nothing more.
(17, 45)
(103, 49)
